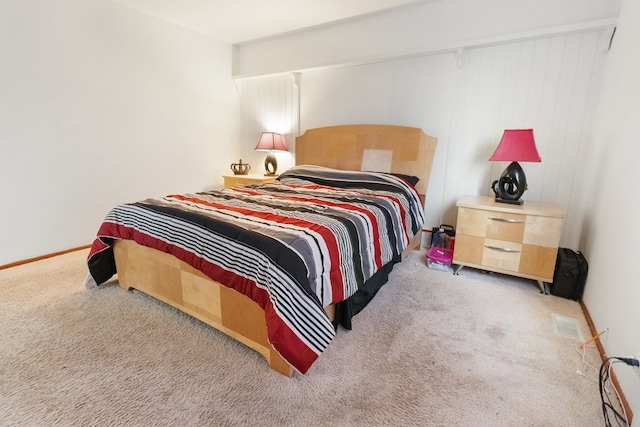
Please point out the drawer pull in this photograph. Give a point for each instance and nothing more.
(509, 220)
(496, 248)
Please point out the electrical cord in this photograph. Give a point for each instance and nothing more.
(624, 412)
(629, 361)
(604, 377)
(604, 396)
(586, 366)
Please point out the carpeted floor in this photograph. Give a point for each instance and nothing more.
(432, 349)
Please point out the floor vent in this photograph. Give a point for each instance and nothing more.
(567, 327)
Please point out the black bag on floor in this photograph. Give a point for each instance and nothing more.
(570, 274)
(448, 229)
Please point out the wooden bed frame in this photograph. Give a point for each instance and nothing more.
(174, 282)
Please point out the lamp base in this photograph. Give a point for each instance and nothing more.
(511, 185)
(511, 202)
(270, 164)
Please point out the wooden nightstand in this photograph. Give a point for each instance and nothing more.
(242, 180)
(517, 240)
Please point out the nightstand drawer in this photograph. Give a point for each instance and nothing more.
(491, 224)
(501, 254)
(476, 250)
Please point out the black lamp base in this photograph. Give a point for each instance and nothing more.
(511, 202)
(511, 185)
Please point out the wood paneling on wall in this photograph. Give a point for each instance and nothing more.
(269, 104)
(467, 100)
(546, 84)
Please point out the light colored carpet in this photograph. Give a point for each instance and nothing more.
(431, 349)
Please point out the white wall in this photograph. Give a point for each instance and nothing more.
(99, 105)
(612, 230)
(424, 28)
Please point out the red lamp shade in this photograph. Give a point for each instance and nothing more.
(271, 141)
(517, 145)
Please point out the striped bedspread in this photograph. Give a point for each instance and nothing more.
(294, 245)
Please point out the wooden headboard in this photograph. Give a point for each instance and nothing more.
(406, 150)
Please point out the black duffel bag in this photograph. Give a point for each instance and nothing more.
(570, 274)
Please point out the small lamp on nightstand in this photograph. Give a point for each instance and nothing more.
(271, 141)
(516, 145)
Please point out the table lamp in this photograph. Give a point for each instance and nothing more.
(516, 145)
(271, 141)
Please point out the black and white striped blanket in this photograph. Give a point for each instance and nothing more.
(295, 245)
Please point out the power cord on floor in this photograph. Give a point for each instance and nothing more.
(588, 370)
(605, 376)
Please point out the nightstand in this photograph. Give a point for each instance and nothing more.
(517, 240)
(242, 180)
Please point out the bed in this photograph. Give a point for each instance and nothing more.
(240, 290)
